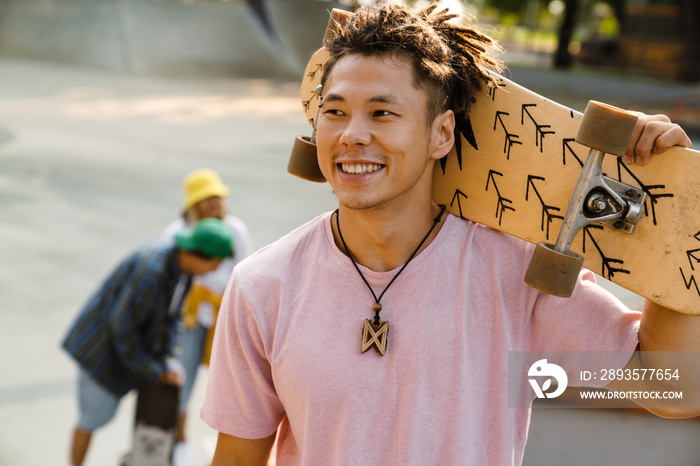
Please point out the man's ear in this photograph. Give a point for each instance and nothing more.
(442, 134)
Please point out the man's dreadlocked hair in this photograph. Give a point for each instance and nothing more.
(450, 60)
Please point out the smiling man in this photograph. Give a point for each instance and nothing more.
(380, 333)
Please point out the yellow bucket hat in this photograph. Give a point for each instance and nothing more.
(203, 184)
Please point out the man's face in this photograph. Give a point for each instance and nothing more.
(375, 146)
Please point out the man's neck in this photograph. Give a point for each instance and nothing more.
(383, 239)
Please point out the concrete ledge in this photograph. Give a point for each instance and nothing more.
(300, 26)
(167, 36)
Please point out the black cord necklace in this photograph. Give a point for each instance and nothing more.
(375, 332)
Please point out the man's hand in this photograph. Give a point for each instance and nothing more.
(653, 134)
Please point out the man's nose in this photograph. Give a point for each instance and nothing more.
(356, 132)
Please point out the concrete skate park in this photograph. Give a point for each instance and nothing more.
(106, 105)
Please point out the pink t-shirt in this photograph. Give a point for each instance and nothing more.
(287, 349)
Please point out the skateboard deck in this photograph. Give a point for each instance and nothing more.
(515, 168)
(154, 430)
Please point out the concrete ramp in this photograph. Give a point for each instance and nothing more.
(168, 36)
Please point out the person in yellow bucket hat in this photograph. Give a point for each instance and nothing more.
(205, 195)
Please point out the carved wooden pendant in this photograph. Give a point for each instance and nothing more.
(376, 336)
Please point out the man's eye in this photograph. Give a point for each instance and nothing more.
(333, 112)
(381, 113)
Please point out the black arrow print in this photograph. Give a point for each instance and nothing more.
(608, 271)
(692, 256)
(567, 148)
(314, 94)
(312, 73)
(307, 103)
(689, 283)
(463, 126)
(503, 204)
(510, 137)
(492, 90)
(459, 195)
(540, 133)
(546, 209)
(652, 197)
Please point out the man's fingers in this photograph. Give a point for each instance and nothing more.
(649, 140)
(654, 134)
(629, 156)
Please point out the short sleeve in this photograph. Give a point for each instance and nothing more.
(240, 397)
(591, 329)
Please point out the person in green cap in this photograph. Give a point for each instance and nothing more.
(205, 196)
(126, 332)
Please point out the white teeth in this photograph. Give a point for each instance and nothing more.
(356, 169)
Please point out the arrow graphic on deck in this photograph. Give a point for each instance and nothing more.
(458, 197)
(652, 197)
(511, 138)
(503, 203)
(314, 94)
(693, 256)
(689, 283)
(312, 73)
(540, 133)
(567, 148)
(464, 127)
(492, 90)
(546, 209)
(607, 269)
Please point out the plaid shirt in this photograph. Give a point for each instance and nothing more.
(128, 327)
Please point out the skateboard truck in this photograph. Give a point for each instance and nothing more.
(554, 268)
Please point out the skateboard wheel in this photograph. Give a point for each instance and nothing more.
(606, 128)
(553, 272)
(303, 162)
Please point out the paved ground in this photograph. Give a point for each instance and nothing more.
(91, 164)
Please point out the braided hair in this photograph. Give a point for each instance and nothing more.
(450, 61)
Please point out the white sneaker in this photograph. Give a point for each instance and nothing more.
(182, 454)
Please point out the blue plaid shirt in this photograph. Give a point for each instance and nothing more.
(127, 329)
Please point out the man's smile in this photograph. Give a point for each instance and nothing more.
(359, 168)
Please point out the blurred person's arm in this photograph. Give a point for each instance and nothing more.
(132, 309)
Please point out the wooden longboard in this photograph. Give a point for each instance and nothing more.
(516, 172)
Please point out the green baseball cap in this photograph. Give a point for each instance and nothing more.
(209, 237)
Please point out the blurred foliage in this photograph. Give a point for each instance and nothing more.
(511, 12)
(507, 7)
(535, 23)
